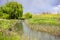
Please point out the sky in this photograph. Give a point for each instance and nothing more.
(38, 6)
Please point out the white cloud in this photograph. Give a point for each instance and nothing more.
(55, 10)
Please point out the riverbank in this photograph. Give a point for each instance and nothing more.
(51, 29)
(7, 30)
(49, 23)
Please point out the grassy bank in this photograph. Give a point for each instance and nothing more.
(12, 30)
(7, 30)
(5, 24)
(49, 23)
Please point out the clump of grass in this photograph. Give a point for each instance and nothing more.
(11, 36)
(5, 34)
(4, 24)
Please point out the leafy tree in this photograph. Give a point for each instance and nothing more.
(17, 9)
(4, 15)
(14, 9)
(27, 15)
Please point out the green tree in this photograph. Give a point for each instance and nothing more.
(14, 9)
(27, 15)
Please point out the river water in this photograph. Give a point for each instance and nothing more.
(34, 34)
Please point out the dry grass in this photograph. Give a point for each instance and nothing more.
(51, 29)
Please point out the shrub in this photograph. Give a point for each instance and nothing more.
(27, 15)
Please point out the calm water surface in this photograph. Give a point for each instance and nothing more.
(22, 27)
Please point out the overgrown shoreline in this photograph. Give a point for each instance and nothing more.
(7, 31)
(51, 29)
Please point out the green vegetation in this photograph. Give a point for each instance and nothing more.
(12, 36)
(12, 10)
(8, 13)
(5, 33)
(45, 23)
(5, 24)
(27, 15)
(48, 19)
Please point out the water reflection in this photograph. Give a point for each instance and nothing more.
(38, 35)
(22, 29)
(19, 28)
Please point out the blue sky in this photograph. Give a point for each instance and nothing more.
(37, 6)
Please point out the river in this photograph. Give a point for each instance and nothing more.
(34, 34)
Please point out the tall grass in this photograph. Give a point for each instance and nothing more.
(5, 33)
(49, 23)
(50, 19)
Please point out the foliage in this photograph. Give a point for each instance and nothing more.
(45, 19)
(9, 37)
(4, 24)
(5, 34)
(4, 15)
(13, 9)
(27, 15)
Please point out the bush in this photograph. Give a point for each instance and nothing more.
(27, 15)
